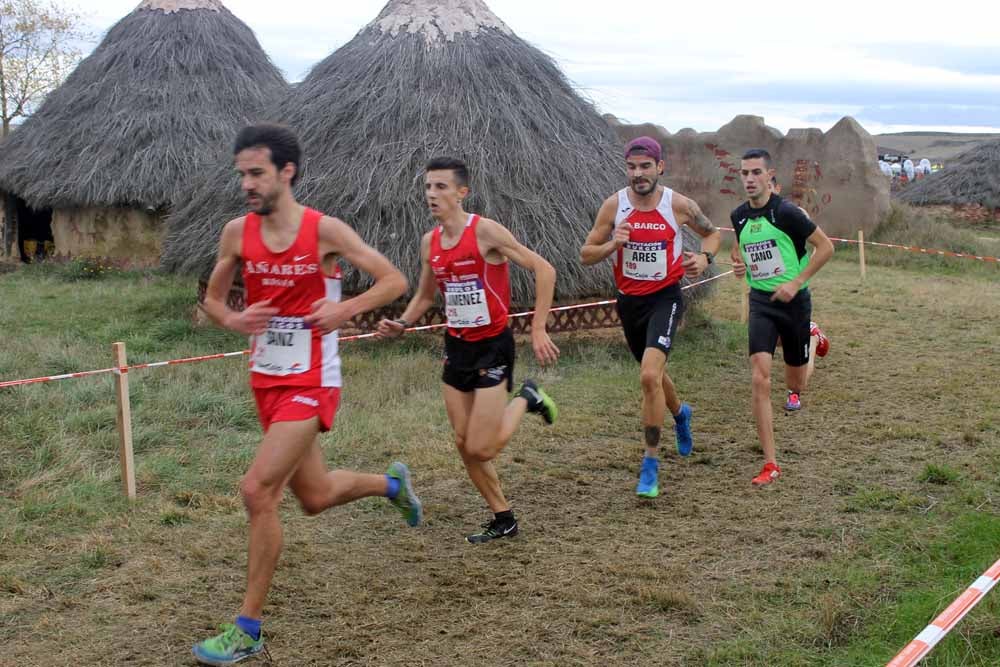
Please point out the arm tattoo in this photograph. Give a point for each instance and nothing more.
(699, 220)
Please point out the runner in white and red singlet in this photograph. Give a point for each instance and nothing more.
(640, 228)
(289, 255)
(465, 258)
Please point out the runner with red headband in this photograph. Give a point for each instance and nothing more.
(639, 227)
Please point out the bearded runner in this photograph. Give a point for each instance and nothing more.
(639, 227)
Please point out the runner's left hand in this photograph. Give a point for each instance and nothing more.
(327, 315)
(546, 351)
(694, 264)
(389, 329)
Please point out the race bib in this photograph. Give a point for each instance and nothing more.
(644, 261)
(465, 304)
(764, 260)
(284, 349)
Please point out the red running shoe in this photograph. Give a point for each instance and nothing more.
(823, 344)
(768, 474)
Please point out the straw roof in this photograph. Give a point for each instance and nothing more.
(971, 178)
(429, 78)
(159, 99)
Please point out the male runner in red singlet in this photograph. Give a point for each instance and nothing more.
(640, 226)
(465, 257)
(289, 255)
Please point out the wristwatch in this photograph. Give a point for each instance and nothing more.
(709, 256)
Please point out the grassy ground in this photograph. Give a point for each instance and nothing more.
(890, 505)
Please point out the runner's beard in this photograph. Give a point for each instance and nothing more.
(652, 186)
(266, 206)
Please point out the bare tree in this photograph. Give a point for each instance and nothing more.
(39, 46)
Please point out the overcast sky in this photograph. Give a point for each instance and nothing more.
(892, 65)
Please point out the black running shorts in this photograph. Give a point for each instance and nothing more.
(651, 320)
(770, 320)
(479, 364)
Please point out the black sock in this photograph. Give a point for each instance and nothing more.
(506, 517)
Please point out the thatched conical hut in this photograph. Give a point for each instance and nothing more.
(971, 179)
(429, 78)
(107, 154)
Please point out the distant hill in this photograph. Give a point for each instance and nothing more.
(935, 146)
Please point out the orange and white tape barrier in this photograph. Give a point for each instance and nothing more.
(916, 650)
(910, 248)
(123, 369)
(531, 312)
(925, 251)
(208, 357)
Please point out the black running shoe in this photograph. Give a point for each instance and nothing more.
(538, 401)
(494, 530)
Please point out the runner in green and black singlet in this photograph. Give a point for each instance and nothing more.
(819, 344)
(771, 250)
(772, 242)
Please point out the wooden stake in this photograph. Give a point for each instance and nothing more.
(124, 423)
(861, 252)
(744, 301)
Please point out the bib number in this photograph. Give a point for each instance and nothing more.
(764, 260)
(465, 304)
(644, 261)
(284, 349)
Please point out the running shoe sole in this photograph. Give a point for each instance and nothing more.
(685, 448)
(549, 410)
(415, 513)
(546, 406)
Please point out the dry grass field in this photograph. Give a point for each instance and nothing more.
(890, 503)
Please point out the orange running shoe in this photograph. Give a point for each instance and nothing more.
(823, 344)
(768, 474)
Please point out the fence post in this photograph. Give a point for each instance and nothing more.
(744, 301)
(861, 252)
(124, 422)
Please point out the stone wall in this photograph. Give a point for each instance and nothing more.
(833, 175)
(119, 233)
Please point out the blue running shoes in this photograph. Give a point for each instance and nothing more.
(648, 486)
(682, 427)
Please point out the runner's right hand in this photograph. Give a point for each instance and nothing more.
(253, 320)
(546, 351)
(739, 268)
(621, 235)
(389, 329)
